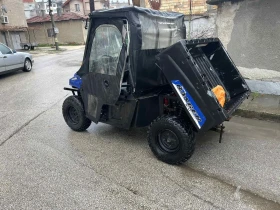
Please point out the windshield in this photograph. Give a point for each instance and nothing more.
(105, 51)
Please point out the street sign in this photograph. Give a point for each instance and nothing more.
(56, 30)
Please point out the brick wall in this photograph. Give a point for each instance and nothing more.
(182, 6)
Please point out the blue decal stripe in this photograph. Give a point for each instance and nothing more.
(190, 104)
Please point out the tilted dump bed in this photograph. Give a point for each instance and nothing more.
(194, 68)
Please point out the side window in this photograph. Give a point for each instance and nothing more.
(4, 49)
(105, 50)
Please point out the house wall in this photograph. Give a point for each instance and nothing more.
(66, 8)
(69, 32)
(84, 6)
(16, 15)
(29, 9)
(250, 30)
(44, 5)
(72, 7)
(98, 5)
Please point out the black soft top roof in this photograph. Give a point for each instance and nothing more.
(150, 31)
(133, 9)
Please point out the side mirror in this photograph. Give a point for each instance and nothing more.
(14, 51)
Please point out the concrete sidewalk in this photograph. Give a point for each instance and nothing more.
(261, 106)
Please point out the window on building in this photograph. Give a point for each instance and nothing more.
(53, 5)
(5, 50)
(77, 7)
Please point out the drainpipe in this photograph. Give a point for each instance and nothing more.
(190, 20)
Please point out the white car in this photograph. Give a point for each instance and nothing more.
(11, 60)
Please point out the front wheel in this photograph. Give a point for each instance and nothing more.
(27, 65)
(171, 140)
(74, 114)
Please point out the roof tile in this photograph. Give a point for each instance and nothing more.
(57, 18)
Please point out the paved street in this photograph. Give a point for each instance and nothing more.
(45, 165)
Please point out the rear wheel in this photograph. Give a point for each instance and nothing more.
(74, 114)
(171, 140)
(27, 65)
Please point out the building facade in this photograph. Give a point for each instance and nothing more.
(13, 24)
(34, 8)
(42, 7)
(29, 8)
(71, 28)
(83, 6)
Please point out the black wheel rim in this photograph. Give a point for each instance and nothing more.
(168, 141)
(73, 115)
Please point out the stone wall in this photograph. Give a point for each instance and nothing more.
(250, 31)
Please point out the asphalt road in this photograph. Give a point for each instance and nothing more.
(45, 165)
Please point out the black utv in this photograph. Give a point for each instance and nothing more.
(139, 70)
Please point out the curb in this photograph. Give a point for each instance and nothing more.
(257, 115)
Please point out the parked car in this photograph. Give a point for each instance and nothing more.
(11, 60)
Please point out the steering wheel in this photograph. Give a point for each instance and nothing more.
(108, 56)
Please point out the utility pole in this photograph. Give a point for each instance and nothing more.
(190, 20)
(53, 25)
(91, 4)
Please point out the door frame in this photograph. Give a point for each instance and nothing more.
(92, 103)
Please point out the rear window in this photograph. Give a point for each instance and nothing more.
(158, 33)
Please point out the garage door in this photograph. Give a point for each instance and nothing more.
(16, 40)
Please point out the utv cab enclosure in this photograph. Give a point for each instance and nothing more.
(139, 70)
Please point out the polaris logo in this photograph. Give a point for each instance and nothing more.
(190, 104)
